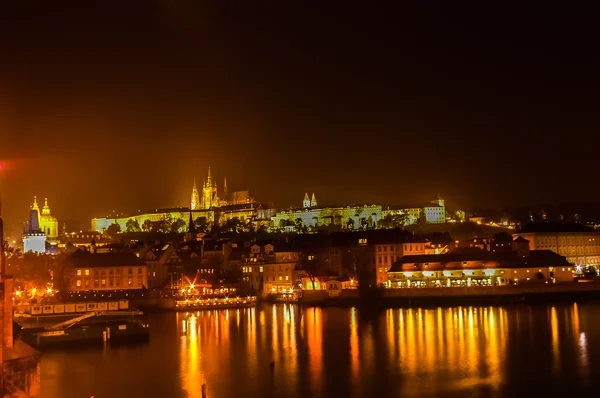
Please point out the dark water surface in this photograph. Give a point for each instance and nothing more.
(510, 351)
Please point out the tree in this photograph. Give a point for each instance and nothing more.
(147, 226)
(311, 267)
(201, 224)
(178, 226)
(300, 227)
(393, 221)
(350, 224)
(132, 225)
(113, 229)
(163, 225)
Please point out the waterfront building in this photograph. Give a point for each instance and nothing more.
(121, 270)
(578, 243)
(476, 267)
(253, 265)
(282, 272)
(159, 258)
(390, 248)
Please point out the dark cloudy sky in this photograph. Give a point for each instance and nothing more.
(120, 104)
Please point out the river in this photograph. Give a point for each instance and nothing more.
(492, 351)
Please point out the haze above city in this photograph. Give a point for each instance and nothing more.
(120, 107)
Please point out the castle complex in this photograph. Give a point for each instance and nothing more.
(209, 203)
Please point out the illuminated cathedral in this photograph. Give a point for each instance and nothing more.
(210, 196)
(216, 207)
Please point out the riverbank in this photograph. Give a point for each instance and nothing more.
(447, 296)
(566, 292)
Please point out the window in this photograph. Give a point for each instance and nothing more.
(379, 260)
(118, 282)
(78, 272)
(391, 248)
(139, 271)
(130, 271)
(280, 278)
(78, 282)
(153, 274)
(103, 282)
(129, 280)
(287, 278)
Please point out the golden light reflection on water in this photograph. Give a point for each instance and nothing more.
(190, 363)
(457, 344)
(440, 350)
(555, 341)
(314, 334)
(354, 344)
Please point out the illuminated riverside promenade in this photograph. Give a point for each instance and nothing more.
(496, 351)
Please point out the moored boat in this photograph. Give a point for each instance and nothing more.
(211, 303)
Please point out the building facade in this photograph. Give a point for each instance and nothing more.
(579, 244)
(476, 267)
(87, 271)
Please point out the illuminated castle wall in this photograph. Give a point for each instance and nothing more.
(206, 204)
(351, 217)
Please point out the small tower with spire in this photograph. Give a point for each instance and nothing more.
(225, 189)
(313, 201)
(195, 199)
(306, 201)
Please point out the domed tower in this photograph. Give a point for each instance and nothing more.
(48, 223)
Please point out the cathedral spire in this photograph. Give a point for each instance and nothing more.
(306, 201)
(209, 182)
(225, 187)
(195, 199)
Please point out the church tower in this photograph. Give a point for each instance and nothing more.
(313, 201)
(306, 201)
(195, 200)
(209, 193)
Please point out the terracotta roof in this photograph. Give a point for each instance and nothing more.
(82, 258)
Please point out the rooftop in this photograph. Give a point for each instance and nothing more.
(555, 227)
(81, 258)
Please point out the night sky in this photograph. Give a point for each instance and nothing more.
(120, 104)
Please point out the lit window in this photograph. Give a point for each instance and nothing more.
(280, 278)
(287, 278)
(78, 283)
(103, 282)
(153, 274)
(87, 272)
(261, 269)
(78, 272)
(563, 269)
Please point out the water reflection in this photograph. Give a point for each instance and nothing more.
(460, 351)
